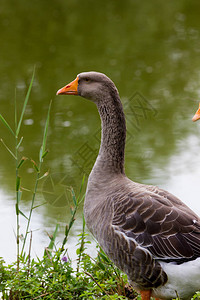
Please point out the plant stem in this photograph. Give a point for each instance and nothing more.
(42, 153)
(16, 134)
(82, 247)
(32, 207)
(17, 175)
(17, 202)
(103, 290)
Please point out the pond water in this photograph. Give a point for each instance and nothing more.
(151, 50)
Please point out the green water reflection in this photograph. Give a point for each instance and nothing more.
(151, 50)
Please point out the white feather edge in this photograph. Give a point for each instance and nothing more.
(183, 280)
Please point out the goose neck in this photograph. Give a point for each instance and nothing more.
(113, 135)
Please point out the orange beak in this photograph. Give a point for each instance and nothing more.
(197, 115)
(69, 89)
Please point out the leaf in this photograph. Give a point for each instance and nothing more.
(101, 265)
(15, 109)
(82, 183)
(78, 199)
(44, 175)
(66, 230)
(23, 214)
(13, 155)
(25, 103)
(25, 189)
(21, 162)
(17, 209)
(64, 241)
(83, 222)
(73, 197)
(53, 238)
(18, 180)
(82, 198)
(20, 142)
(71, 210)
(39, 205)
(43, 151)
(19, 194)
(6, 124)
(35, 166)
(104, 257)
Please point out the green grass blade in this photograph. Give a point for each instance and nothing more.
(17, 209)
(43, 151)
(25, 103)
(82, 184)
(21, 213)
(35, 166)
(18, 145)
(23, 159)
(81, 199)
(18, 180)
(39, 205)
(6, 124)
(104, 257)
(8, 149)
(83, 223)
(15, 109)
(53, 238)
(19, 194)
(74, 197)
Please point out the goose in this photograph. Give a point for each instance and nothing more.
(147, 232)
(197, 115)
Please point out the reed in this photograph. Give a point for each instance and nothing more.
(19, 161)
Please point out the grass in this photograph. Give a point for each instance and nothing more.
(52, 276)
(19, 161)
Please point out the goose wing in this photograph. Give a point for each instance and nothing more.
(158, 222)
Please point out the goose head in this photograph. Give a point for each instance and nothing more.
(197, 115)
(90, 85)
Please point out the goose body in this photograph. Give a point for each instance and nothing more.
(147, 232)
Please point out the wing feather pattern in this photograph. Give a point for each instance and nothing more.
(160, 223)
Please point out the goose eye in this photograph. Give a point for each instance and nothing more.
(87, 79)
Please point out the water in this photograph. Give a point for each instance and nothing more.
(150, 51)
